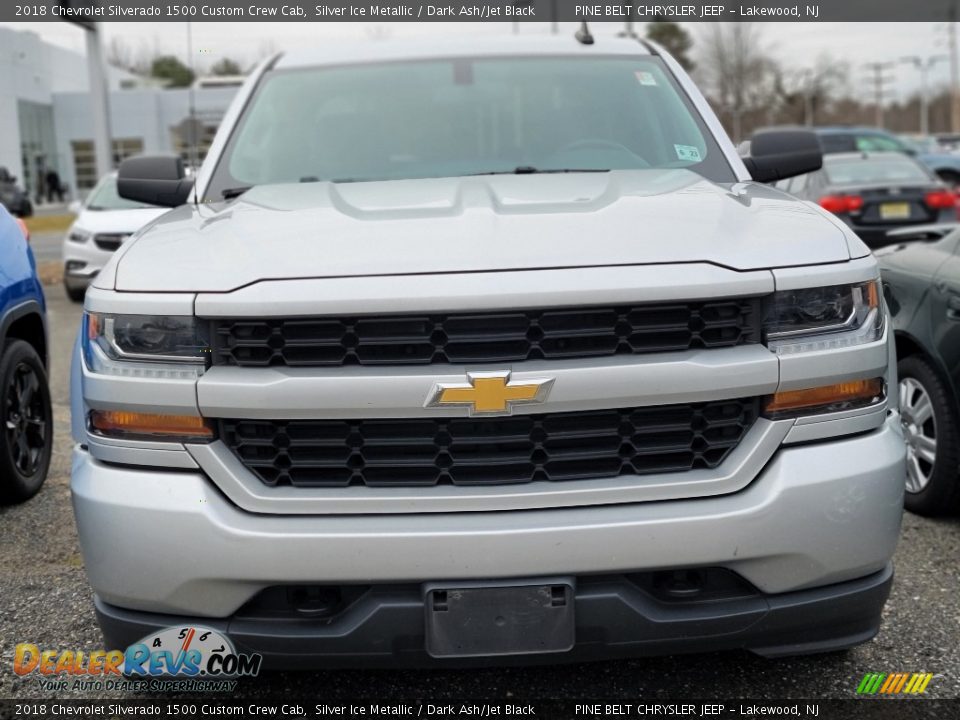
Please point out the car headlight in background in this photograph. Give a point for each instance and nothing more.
(79, 235)
(145, 345)
(824, 318)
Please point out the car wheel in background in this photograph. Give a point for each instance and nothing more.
(75, 293)
(26, 422)
(932, 433)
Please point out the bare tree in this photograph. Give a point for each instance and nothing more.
(122, 55)
(741, 77)
(812, 88)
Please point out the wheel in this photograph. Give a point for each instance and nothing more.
(75, 293)
(928, 414)
(26, 437)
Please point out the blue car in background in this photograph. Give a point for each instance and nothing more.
(26, 418)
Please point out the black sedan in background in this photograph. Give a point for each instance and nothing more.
(874, 193)
(922, 286)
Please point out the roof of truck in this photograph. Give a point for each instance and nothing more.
(335, 52)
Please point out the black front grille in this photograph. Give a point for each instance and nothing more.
(490, 451)
(110, 241)
(508, 336)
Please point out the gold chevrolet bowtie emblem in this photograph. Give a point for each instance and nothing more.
(490, 393)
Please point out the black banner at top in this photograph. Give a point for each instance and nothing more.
(88, 11)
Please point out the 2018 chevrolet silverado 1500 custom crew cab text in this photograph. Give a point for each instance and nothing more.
(489, 349)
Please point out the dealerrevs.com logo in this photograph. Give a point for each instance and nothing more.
(188, 652)
(183, 658)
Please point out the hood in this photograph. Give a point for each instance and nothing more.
(117, 221)
(475, 224)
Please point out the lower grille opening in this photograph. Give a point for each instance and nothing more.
(547, 447)
(325, 603)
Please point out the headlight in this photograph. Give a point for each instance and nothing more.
(824, 318)
(78, 235)
(145, 345)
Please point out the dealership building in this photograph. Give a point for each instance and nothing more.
(46, 116)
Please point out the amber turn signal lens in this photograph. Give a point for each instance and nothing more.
(873, 294)
(826, 398)
(119, 423)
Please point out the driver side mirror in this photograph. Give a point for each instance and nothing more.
(781, 154)
(155, 180)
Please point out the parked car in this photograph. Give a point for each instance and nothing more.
(486, 349)
(26, 418)
(104, 221)
(13, 197)
(875, 192)
(948, 142)
(922, 285)
(943, 163)
(923, 145)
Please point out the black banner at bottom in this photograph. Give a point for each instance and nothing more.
(867, 708)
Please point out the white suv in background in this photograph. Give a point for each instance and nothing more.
(460, 350)
(104, 221)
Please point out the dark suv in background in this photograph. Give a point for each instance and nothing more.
(922, 285)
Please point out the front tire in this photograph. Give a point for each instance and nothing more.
(931, 429)
(26, 422)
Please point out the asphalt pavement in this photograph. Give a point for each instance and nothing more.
(45, 599)
(47, 245)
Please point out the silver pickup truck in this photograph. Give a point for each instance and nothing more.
(453, 352)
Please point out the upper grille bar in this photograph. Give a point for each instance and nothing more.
(510, 336)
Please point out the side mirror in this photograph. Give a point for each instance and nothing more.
(75, 207)
(781, 154)
(155, 180)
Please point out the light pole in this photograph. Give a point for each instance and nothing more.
(924, 65)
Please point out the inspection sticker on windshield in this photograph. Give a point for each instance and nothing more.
(688, 152)
(645, 78)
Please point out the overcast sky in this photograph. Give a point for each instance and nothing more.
(793, 44)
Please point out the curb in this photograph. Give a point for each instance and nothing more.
(49, 223)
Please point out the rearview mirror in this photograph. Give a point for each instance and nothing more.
(781, 154)
(155, 180)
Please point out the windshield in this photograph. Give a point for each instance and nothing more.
(875, 170)
(105, 197)
(463, 116)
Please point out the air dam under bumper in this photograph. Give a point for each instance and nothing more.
(613, 619)
(168, 542)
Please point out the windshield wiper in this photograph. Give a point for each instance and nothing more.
(230, 193)
(530, 170)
